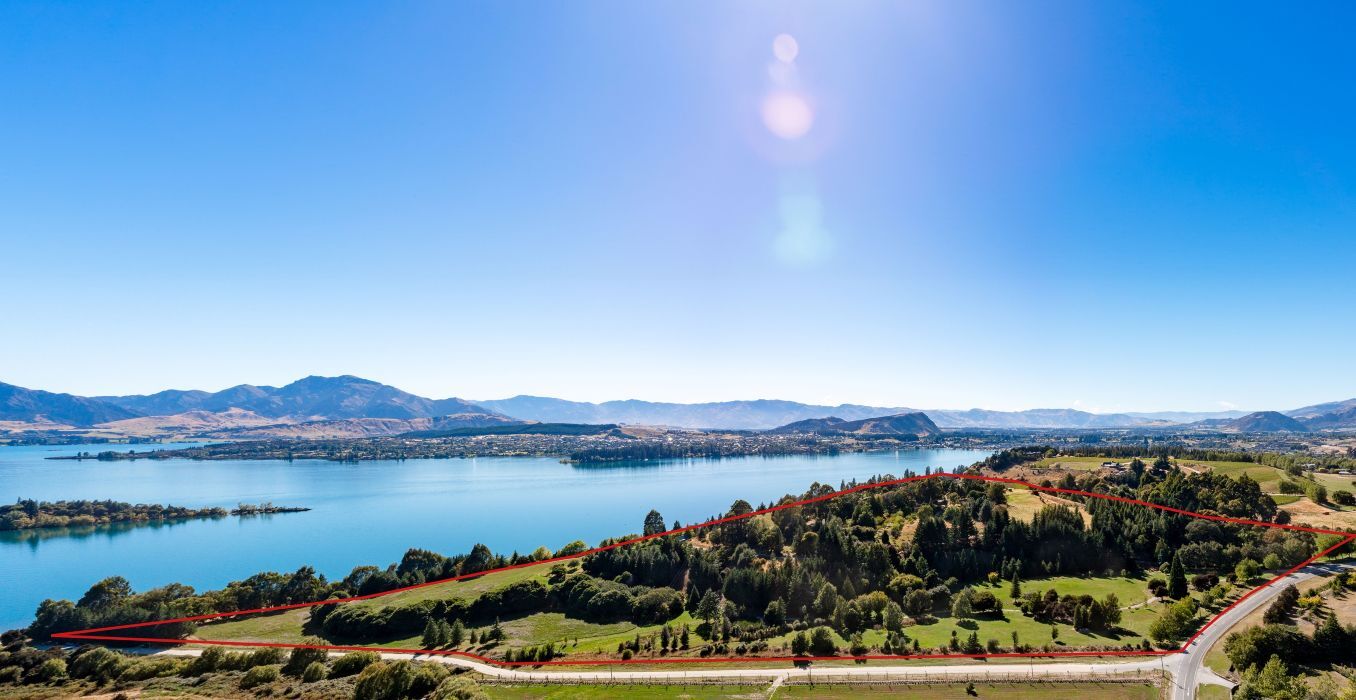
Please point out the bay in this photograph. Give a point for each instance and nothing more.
(370, 512)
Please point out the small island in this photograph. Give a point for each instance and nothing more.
(29, 514)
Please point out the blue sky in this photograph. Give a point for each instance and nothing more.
(938, 205)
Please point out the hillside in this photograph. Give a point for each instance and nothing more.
(915, 423)
(1342, 419)
(1318, 410)
(187, 422)
(767, 414)
(361, 427)
(1034, 418)
(32, 405)
(1265, 422)
(312, 397)
(901, 424)
(758, 414)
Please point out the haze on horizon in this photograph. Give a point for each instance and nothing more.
(1052, 204)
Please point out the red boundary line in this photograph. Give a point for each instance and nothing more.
(92, 633)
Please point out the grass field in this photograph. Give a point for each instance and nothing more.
(957, 691)
(1075, 463)
(1130, 590)
(1268, 477)
(1304, 511)
(1212, 692)
(289, 626)
(1335, 482)
(580, 637)
(1023, 504)
(467, 589)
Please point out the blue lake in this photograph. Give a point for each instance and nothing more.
(370, 513)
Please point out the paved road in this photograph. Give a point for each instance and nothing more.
(1187, 668)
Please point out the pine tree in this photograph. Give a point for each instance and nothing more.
(456, 634)
(1015, 592)
(430, 639)
(1331, 640)
(654, 523)
(1177, 580)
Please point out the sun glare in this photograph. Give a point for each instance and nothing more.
(787, 115)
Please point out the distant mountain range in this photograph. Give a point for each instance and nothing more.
(352, 406)
(766, 414)
(313, 397)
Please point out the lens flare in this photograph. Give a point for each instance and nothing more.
(787, 115)
(785, 48)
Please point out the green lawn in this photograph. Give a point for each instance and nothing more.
(1076, 463)
(582, 637)
(1216, 661)
(467, 589)
(1282, 499)
(1130, 590)
(956, 691)
(1268, 477)
(640, 692)
(525, 631)
(1004, 691)
(592, 637)
(288, 626)
(1335, 482)
(284, 626)
(1028, 630)
(1212, 692)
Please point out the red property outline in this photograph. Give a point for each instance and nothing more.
(92, 633)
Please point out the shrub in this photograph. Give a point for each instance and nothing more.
(259, 657)
(300, 659)
(314, 671)
(1256, 645)
(657, 605)
(97, 664)
(426, 678)
(11, 674)
(349, 664)
(457, 688)
(142, 669)
(51, 670)
(384, 681)
(821, 642)
(259, 675)
(206, 662)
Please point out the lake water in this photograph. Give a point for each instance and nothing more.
(371, 512)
